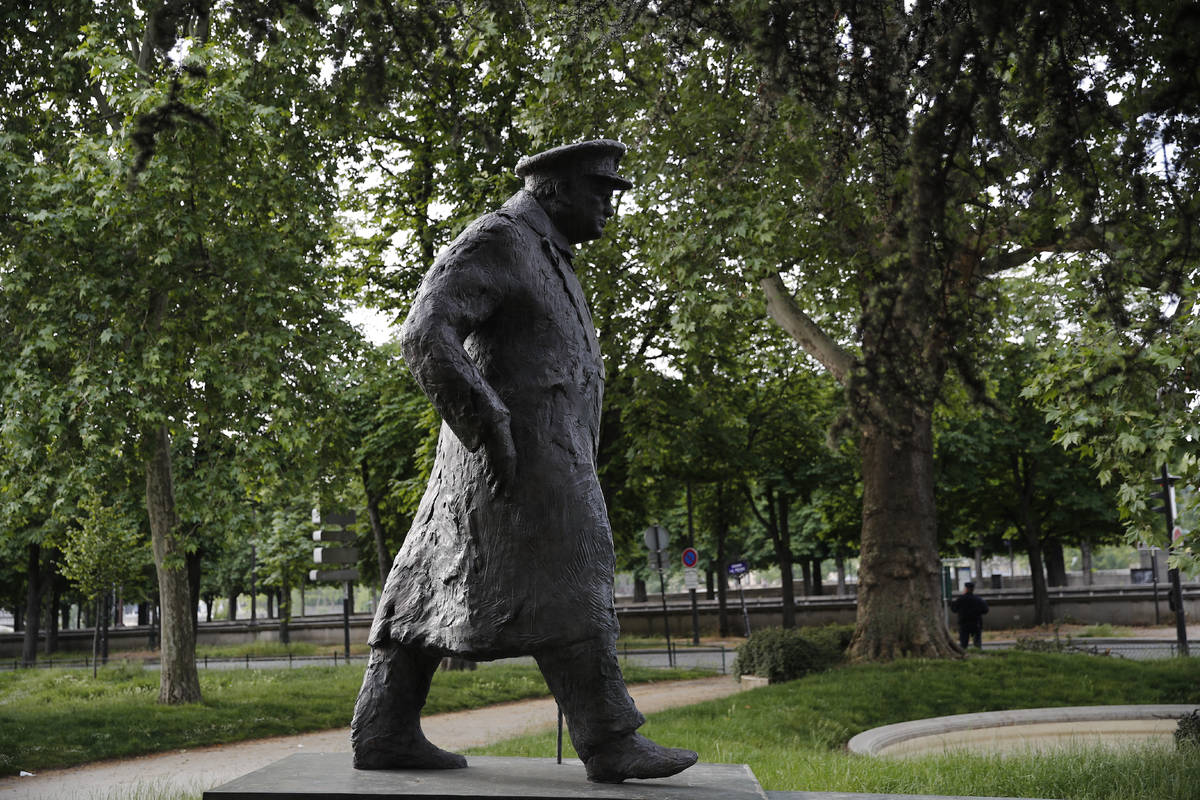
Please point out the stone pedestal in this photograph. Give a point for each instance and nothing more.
(330, 776)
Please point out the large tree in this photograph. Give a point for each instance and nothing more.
(873, 167)
(165, 270)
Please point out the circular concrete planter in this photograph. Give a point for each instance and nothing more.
(998, 731)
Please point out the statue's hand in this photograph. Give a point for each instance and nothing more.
(500, 456)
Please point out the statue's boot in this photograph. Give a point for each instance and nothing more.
(386, 730)
(635, 756)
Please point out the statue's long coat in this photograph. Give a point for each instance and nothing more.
(500, 322)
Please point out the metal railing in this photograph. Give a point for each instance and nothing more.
(706, 657)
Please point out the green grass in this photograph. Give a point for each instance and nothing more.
(58, 718)
(793, 735)
(1104, 630)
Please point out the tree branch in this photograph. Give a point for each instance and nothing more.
(783, 309)
(1084, 238)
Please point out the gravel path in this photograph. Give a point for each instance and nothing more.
(204, 768)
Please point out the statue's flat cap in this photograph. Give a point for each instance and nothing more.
(598, 157)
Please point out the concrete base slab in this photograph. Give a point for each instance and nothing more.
(330, 776)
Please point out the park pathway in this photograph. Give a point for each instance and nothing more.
(163, 776)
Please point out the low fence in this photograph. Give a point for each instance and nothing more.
(1115, 605)
(719, 658)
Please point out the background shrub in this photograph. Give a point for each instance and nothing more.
(783, 655)
(1187, 735)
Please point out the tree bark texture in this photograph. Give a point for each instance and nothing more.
(179, 682)
(33, 604)
(1056, 563)
(899, 594)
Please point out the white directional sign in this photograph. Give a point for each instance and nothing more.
(342, 553)
(690, 579)
(335, 555)
(333, 575)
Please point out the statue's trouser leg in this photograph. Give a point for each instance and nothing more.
(586, 680)
(386, 729)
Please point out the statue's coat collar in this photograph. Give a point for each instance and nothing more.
(524, 206)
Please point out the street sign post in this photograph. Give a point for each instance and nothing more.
(333, 530)
(656, 539)
(691, 582)
(737, 569)
(1174, 534)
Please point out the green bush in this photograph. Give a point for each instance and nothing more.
(1187, 735)
(833, 641)
(779, 655)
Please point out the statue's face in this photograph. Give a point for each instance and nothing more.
(584, 208)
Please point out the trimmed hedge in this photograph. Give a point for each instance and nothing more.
(779, 654)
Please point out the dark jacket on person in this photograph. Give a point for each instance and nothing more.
(970, 608)
(500, 328)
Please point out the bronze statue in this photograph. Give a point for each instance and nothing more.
(511, 552)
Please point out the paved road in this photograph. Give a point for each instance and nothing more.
(203, 768)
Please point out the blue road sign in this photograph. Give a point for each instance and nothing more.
(738, 568)
(689, 556)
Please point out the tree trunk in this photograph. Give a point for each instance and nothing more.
(979, 564)
(1042, 614)
(639, 590)
(96, 639)
(806, 576)
(105, 618)
(840, 560)
(179, 681)
(1085, 556)
(1056, 563)
(194, 567)
(143, 614)
(899, 596)
(381, 549)
(285, 611)
(722, 573)
(783, 554)
(233, 596)
(817, 589)
(710, 590)
(776, 526)
(33, 604)
(52, 618)
(1023, 473)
